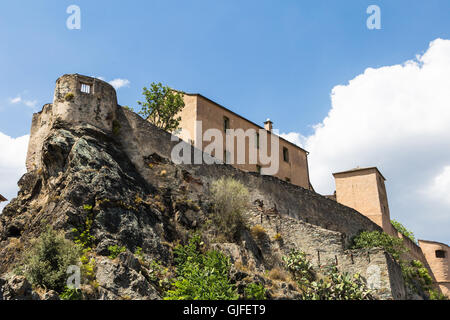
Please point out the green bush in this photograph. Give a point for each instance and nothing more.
(231, 199)
(416, 275)
(47, 261)
(400, 228)
(255, 291)
(83, 236)
(201, 276)
(71, 294)
(115, 250)
(374, 239)
(338, 286)
(300, 268)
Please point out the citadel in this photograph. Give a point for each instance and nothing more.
(322, 225)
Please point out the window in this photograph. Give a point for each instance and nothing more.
(257, 140)
(258, 169)
(85, 88)
(285, 154)
(226, 124)
(440, 254)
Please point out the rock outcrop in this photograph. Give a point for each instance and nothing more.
(119, 165)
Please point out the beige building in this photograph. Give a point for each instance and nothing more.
(438, 257)
(363, 189)
(293, 160)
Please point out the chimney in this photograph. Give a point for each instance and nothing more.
(268, 125)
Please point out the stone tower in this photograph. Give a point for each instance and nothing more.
(77, 99)
(438, 257)
(363, 189)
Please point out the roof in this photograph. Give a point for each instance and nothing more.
(433, 242)
(360, 169)
(2, 198)
(257, 125)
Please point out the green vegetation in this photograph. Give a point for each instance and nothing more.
(71, 294)
(400, 228)
(161, 106)
(47, 261)
(255, 291)
(115, 250)
(83, 236)
(331, 285)
(415, 274)
(201, 275)
(231, 199)
(69, 96)
(376, 239)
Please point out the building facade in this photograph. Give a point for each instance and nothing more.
(200, 111)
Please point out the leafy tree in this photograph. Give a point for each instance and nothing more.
(201, 276)
(161, 106)
(401, 228)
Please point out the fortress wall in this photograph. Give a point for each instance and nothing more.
(324, 247)
(141, 139)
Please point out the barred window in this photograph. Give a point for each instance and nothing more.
(85, 88)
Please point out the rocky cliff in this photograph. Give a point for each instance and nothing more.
(119, 166)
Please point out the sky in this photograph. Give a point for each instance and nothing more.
(352, 96)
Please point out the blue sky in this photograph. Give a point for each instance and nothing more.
(277, 59)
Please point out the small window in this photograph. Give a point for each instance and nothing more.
(226, 124)
(285, 154)
(258, 169)
(85, 88)
(440, 254)
(257, 140)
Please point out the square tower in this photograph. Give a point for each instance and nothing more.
(363, 189)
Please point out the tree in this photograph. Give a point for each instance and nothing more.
(161, 106)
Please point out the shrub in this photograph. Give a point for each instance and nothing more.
(69, 96)
(277, 274)
(373, 239)
(400, 228)
(416, 275)
(338, 286)
(231, 199)
(300, 268)
(83, 236)
(201, 276)
(47, 261)
(255, 291)
(258, 232)
(115, 250)
(436, 295)
(71, 294)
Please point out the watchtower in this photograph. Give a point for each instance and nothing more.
(363, 189)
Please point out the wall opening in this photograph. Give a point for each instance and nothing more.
(85, 88)
(285, 154)
(440, 254)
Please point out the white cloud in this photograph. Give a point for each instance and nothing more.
(439, 188)
(396, 118)
(12, 164)
(119, 83)
(28, 103)
(15, 100)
